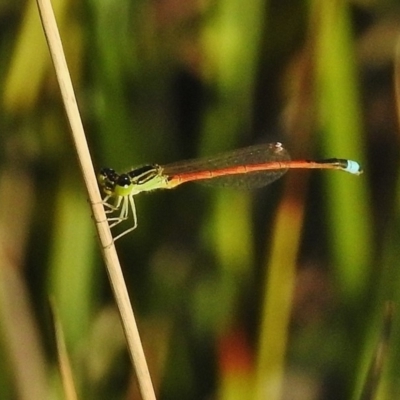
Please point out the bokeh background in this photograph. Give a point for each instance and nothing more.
(273, 294)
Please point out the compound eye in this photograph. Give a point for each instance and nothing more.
(123, 180)
(107, 175)
(107, 171)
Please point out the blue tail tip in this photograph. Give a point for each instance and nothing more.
(354, 167)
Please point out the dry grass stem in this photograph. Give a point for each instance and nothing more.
(107, 246)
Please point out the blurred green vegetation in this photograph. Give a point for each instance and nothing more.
(238, 295)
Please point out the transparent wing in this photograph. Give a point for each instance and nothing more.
(253, 155)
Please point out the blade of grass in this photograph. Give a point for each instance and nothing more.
(73, 234)
(63, 359)
(232, 42)
(350, 220)
(380, 355)
(15, 95)
(108, 249)
(25, 365)
(277, 304)
(340, 119)
(282, 263)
